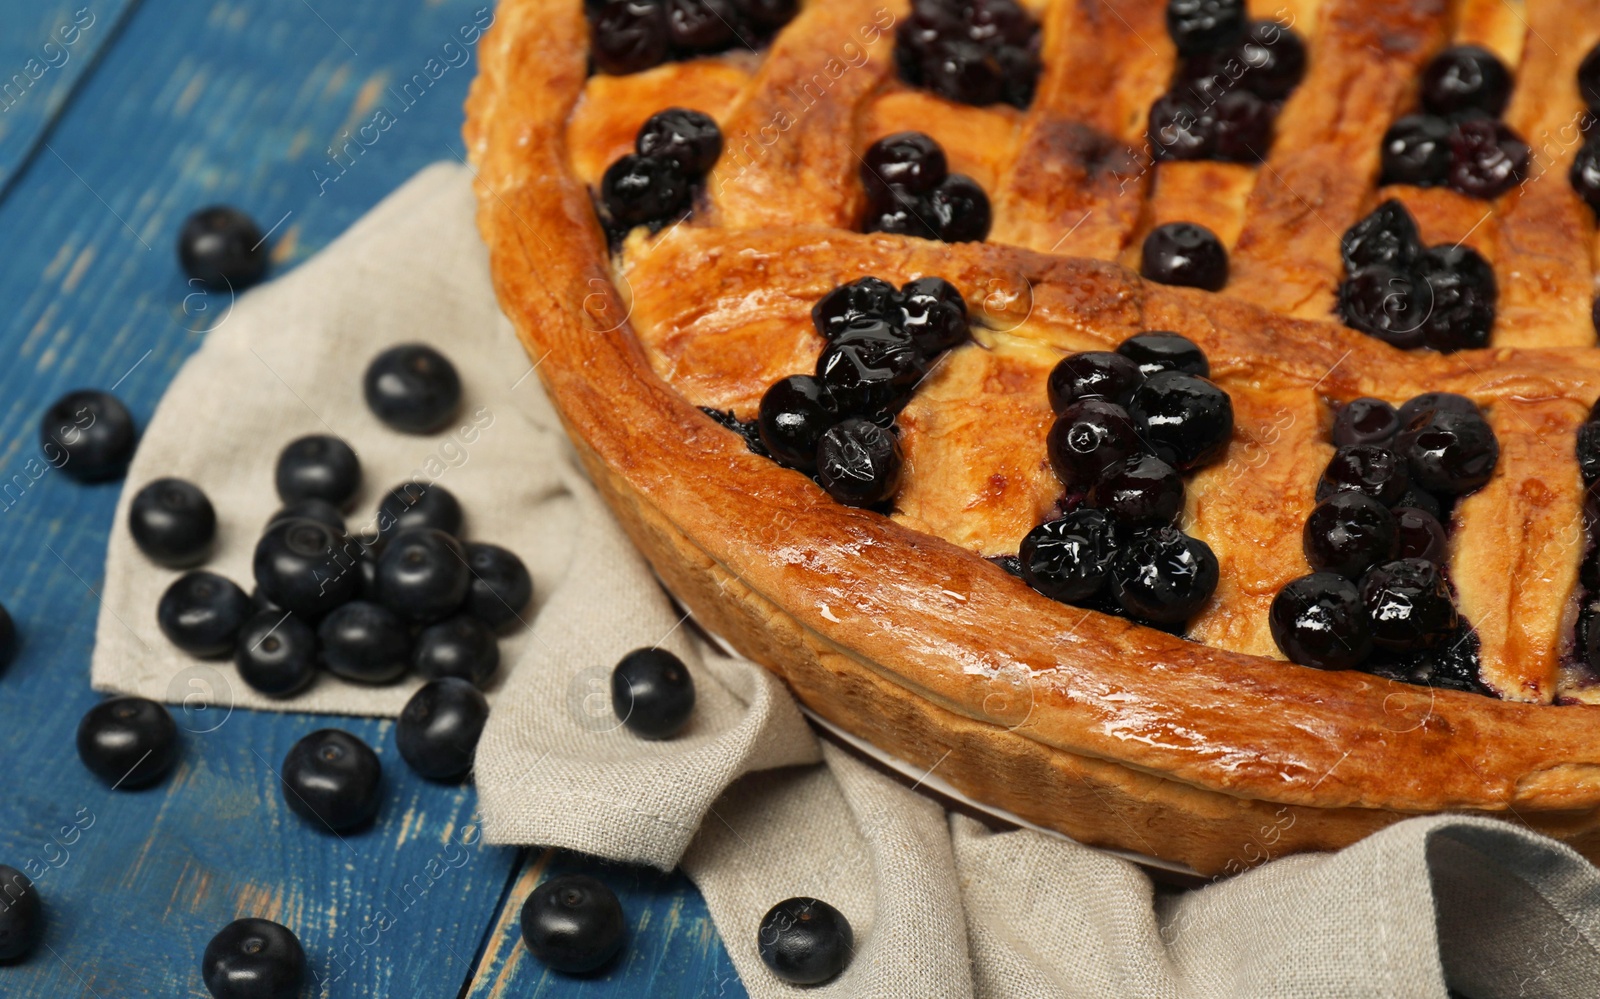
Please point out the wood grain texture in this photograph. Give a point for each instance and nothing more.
(193, 102)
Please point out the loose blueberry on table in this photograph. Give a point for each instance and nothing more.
(414, 506)
(1186, 254)
(87, 434)
(805, 941)
(364, 642)
(319, 510)
(318, 467)
(910, 192)
(128, 742)
(626, 36)
(423, 575)
(172, 522)
(437, 731)
(202, 612)
(21, 915)
(573, 924)
(652, 693)
(303, 566)
(222, 248)
(977, 52)
(276, 654)
(501, 587)
(462, 647)
(1457, 138)
(332, 779)
(412, 388)
(253, 959)
(655, 185)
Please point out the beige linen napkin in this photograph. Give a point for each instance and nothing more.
(747, 800)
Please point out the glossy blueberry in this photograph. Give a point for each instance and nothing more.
(222, 247)
(1241, 130)
(1589, 79)
(652, 693)
(1416, 150)
(321, 511)
(319, 466)
(982, 52)
(1420, 499)
(413, 506)
(413, 388)
(253, 959)
(794, 414)
(858, 462)
(1181, 128)
(1349, 533)
(690, 138)
(1366, 468)
(1069, 559)
(1409, 603)
(438, 729)
(462, 647)
(364, 642)
(1185, 419)
(276, 653)
(1093, 374)
(303, 566)
(1159, 350)
(1388, 304)
(1387, 235)
(172, 522)
(1450, 454)
(572, 924)
(1419, 535)
(1450, 402)
(87, 434)
(202, 612)
(1200, 25)
(1462, 294)
(1465, 78)
(1164, 576)
(1365, 421)
(1589, 452)
(868, 368)
(500, 588)
(1455, 664)
(1487, 158)
(863, 298)
(933, 312)
(128, 742)
(958, 210)
(21, 915)
(899, 212)
(1319, 620)
(701, 25)
(910, 160)
(423, 575)
(645, 190)
(1182, 253)
(332, 779)
(1089, 437)
(1141, 491)
(1585, 173)
(805, 941)
(627, 36)
(1275, 57)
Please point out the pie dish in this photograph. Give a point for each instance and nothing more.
(896, 623)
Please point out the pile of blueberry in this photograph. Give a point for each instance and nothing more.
(655, 185)
(1230, 82)
(1379, 596)
(1185, 254)
(1587, 647)
(973, 51)
(1585, 172)
(626, 36)
(1407, 295)
(837, 425)
(1458, 140)
(911, 192)
(1128, 425)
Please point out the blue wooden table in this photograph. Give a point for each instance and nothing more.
(118, 118)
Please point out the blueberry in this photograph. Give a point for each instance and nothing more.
(858, 462)
(980, 53)
(1160, 350)
(331, 778)
(1387, 235)
(1200, 25)
(1366, 468)
(413, 388)
(303, 566)
(1589, 452)
(88, 435)
(128, 742)
(1090, 436)
(1182, 253)
(1585, 174)
(627, 36)
(794, 414)
(461, 647)
(1242, 129)
(413, 506)
(1462, 293)
(1420, 499)
(1420, 535)
(1450, 454)
(652, 693)
(933, 312)
(805, 941)
(701, 25)
(1465, 78)
(691, 138)
(321, 467)
(500, 588)
(364, 642)
(959, 211)
(572, 924)
(1181, 129)
(1388, 304)
(1164, 576)
(1348, 533)
(651, 191)
(222, 247)
(319, 510)
(869, 368)
(1069, 559)
(437, 732)
(1409, 603)
(864, 298)
(910, 160)
(423, 575)
(1141, 491)
(1416, 150)
(1366, 421)
(1487, 158)
(1274, 57)
(1452, 665)
(899, 211)
(1319, 620)
(276, 653)
(253, 959)
(1448, 401)
(172, 522)
(1093, 374)
(202, 612)
(21, 915)
(1185, 419)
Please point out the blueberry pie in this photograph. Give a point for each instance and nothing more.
(1173, 422)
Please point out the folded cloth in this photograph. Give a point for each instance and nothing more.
(747, 800)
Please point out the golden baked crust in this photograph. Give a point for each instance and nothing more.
(894, 627)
